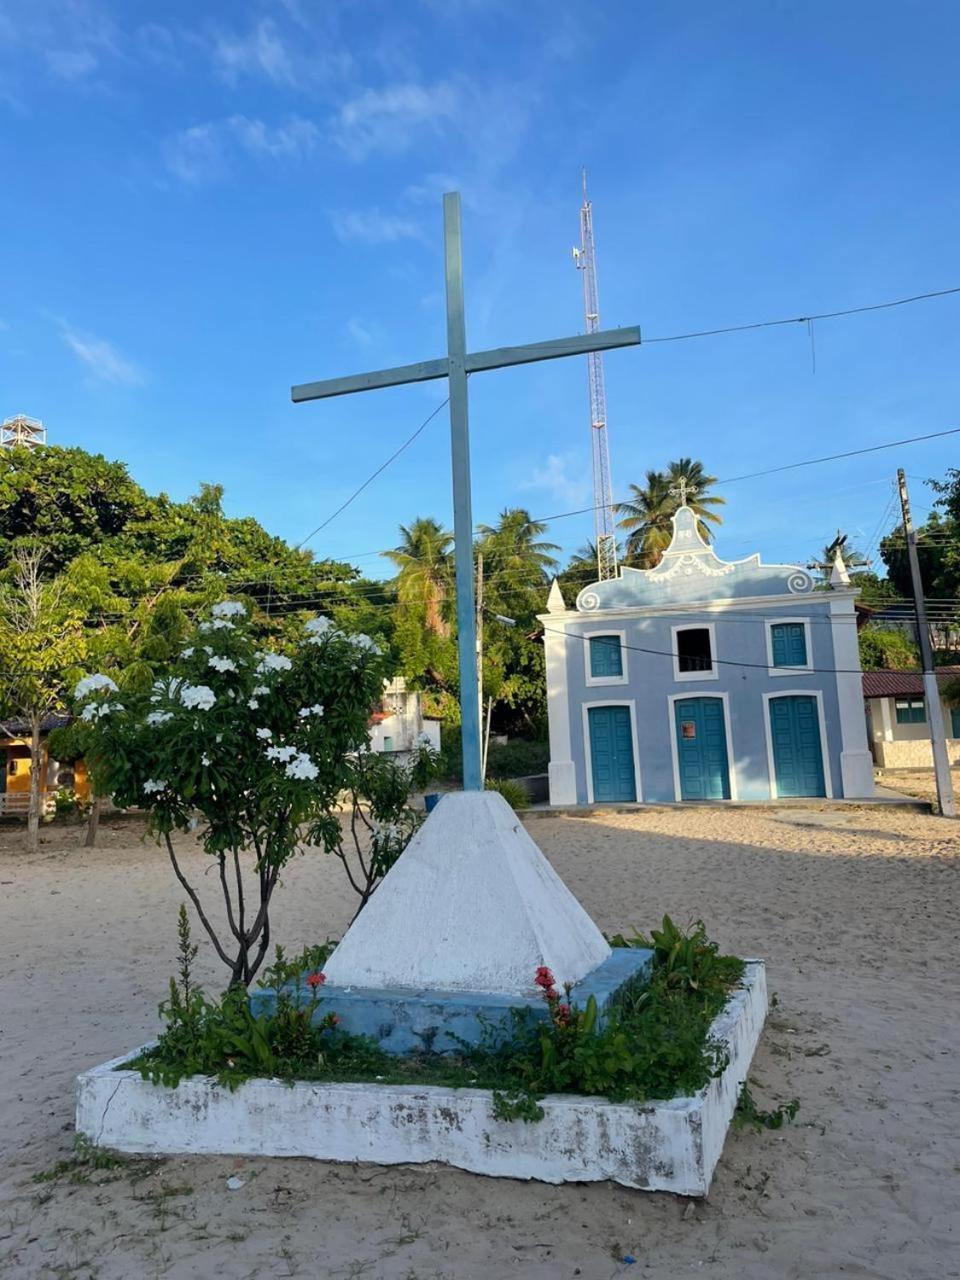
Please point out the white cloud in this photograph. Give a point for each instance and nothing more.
(201, 153)
(261, 52)
(572, 490)
(370, 226)
(359, 332)
(195, 155)
(71, 64)
(294, 138)
(102, 358)
(387, 119)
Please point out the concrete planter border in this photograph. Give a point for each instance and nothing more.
(661, 1146)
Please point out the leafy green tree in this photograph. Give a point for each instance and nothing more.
(40, 641)
(887, 650)
(251, 744)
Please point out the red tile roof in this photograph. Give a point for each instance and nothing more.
(898, 684)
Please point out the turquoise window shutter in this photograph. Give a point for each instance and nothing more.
(911, 711)
(789, 644)
(606, 660)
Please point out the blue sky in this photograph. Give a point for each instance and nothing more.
(206, 203)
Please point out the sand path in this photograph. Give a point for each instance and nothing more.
(855, 912)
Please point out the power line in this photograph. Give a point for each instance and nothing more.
(822, 315)
(790, 466)
(726, 662)
(373, 475)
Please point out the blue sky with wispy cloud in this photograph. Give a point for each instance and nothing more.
(206, 203)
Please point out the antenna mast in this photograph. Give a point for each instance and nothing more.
(585, 259)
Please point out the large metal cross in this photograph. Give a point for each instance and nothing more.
(455, 366)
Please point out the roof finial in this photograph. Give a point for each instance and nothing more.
(682, 490)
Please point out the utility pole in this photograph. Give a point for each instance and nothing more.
(941, 764)
(480, 643)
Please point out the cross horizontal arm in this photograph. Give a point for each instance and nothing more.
(579, 345)
(422, 372)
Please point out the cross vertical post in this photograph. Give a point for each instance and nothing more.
(455, 366)
(462, 505)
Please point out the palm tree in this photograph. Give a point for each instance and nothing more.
(647, 514)
(646, 520)
(698, 499)
(424, 561)
(511, 550)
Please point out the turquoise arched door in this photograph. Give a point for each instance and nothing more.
(795, 741)
(611, 754)
(702, 749)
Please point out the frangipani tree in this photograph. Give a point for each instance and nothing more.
(252, 748)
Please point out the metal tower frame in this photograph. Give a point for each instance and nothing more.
(22, 431)
(585, 259)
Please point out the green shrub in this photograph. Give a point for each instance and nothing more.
(515, 793)
(518, 758)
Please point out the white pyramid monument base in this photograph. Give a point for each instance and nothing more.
(471, 905)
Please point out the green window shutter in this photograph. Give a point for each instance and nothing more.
(911, 711)
(789, 644)
(606, 659)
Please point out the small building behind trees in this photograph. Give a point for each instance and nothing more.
(56, 777)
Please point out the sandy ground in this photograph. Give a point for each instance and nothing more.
(916, 782)
(854, 910)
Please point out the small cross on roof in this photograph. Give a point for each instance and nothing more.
(682, 490)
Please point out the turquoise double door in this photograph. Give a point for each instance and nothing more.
(702, 763)
(795, 743)
(611, 754)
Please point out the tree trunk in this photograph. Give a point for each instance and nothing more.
(93, 823)
(33, 810)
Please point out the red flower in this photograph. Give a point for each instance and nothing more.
(315, 980)
(544, 978)
(563, 1014)
(334, 1020)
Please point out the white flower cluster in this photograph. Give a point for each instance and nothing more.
(364, 642)
(187, 653)
(229, 609)
(265, 734)
(152, 786)
(222, 664)
(305, 712)
(320, 629)
(159, 717)
(218, 624)
(197, 696)
(301, 767)
(283, 754)
(205, 760)
(94, 711)
(90, 684)
(272, 662)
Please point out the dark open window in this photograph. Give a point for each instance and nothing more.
(693, 650)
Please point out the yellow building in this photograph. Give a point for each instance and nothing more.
(55, 775)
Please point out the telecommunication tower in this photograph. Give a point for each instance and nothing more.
(21, 431)
(585, 259)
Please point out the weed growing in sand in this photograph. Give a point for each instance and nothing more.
(748, 1113)
(86, 1160)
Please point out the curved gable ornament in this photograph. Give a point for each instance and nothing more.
(691, 571)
